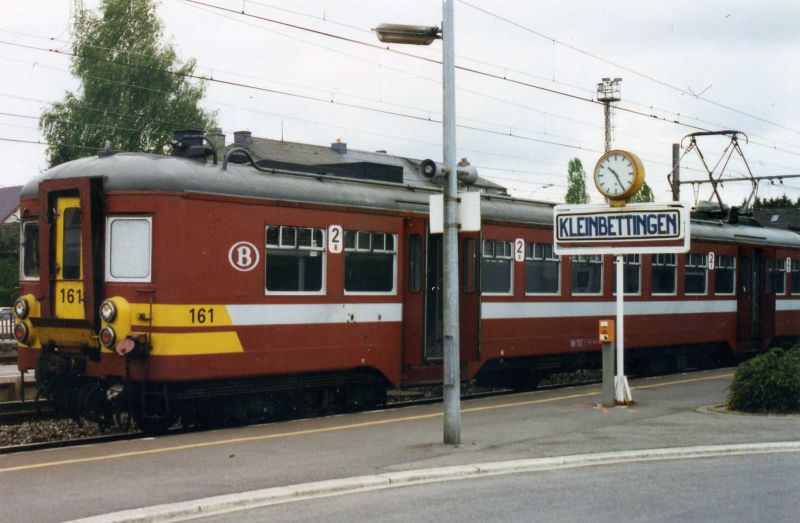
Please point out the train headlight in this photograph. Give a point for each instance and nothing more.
(21, 308)
(108, 337)
(108, 311)
(21, 332)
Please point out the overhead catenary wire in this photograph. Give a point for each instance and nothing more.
(623, 67)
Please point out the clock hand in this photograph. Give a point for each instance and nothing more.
(617, 177)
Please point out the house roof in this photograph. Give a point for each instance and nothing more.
(9, 201)
(786, 218)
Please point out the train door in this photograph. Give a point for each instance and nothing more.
(756, 300)
(70, 230)
(68, 277)
(434, 330)
(470, 296)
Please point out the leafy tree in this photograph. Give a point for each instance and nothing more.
(133, 89)
(576, 183)
(645, 194)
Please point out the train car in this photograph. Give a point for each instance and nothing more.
(171, 285)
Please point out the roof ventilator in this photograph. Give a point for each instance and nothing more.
(190, 144)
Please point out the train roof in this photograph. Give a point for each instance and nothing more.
(148, 172)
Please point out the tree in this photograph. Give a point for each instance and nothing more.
(576, 183)
(644, 195)
(133, 89)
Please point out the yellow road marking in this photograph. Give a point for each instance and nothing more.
(306, 432)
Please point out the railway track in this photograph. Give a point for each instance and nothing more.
(411, 398)
(18, 411)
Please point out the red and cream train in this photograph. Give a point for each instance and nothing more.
(179, 287)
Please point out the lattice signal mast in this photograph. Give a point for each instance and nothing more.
(608, 92)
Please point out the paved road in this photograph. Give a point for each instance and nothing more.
(730, 489)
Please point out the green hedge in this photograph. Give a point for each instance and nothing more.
(767, 383)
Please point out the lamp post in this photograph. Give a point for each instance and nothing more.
(425, 35)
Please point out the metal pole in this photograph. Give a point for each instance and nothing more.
(676, 172)
(607, 398)
(623, 391)
(608, 125)
(452, 365)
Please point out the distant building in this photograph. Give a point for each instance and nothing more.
(9, 204)
(787, 218)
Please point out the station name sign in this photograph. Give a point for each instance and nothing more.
(633, 229)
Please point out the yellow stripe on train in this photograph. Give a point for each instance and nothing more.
(194, 343)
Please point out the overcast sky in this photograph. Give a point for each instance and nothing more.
(741, 57)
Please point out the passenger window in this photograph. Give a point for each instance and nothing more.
(776, 269)
(29, 251)
(542, 269)
(496, 267)
(587, 274)
(295, 259)
(664, 273)
(695, 279)
(631, 266)
(725, 274)
(795, 276)
(128, 249)
(369, 262)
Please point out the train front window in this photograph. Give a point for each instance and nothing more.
(71, 260)
(369, 262)
(587, 274)
(496, 267)
(664, 273)
(542, 269)
(29, 251)
(128, 248)
(295, 259)
(725, 274)
(696, 273)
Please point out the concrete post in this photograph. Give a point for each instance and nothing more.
(452, 363)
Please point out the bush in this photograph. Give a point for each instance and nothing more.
(767, 383)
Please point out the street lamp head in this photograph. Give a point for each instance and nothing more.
(407, 34)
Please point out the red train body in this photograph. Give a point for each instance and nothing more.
(222, 283)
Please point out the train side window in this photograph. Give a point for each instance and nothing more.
(696, 277)
(295, 259)
(496, 267)
(664, 273)
(414, 263)
(370, 263)
(776, 269)
(795, 276)
(587, 274)
(631, 265)
(725, 274)
(542, 269)
(128, 248)
(468, 265)
(29, 251)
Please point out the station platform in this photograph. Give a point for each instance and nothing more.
(676, 411)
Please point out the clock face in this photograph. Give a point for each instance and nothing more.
(615, 175)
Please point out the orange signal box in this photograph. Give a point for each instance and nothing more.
(605, 331)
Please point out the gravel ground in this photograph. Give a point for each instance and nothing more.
(40, 431)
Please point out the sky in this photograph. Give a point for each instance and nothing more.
(707, 65)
